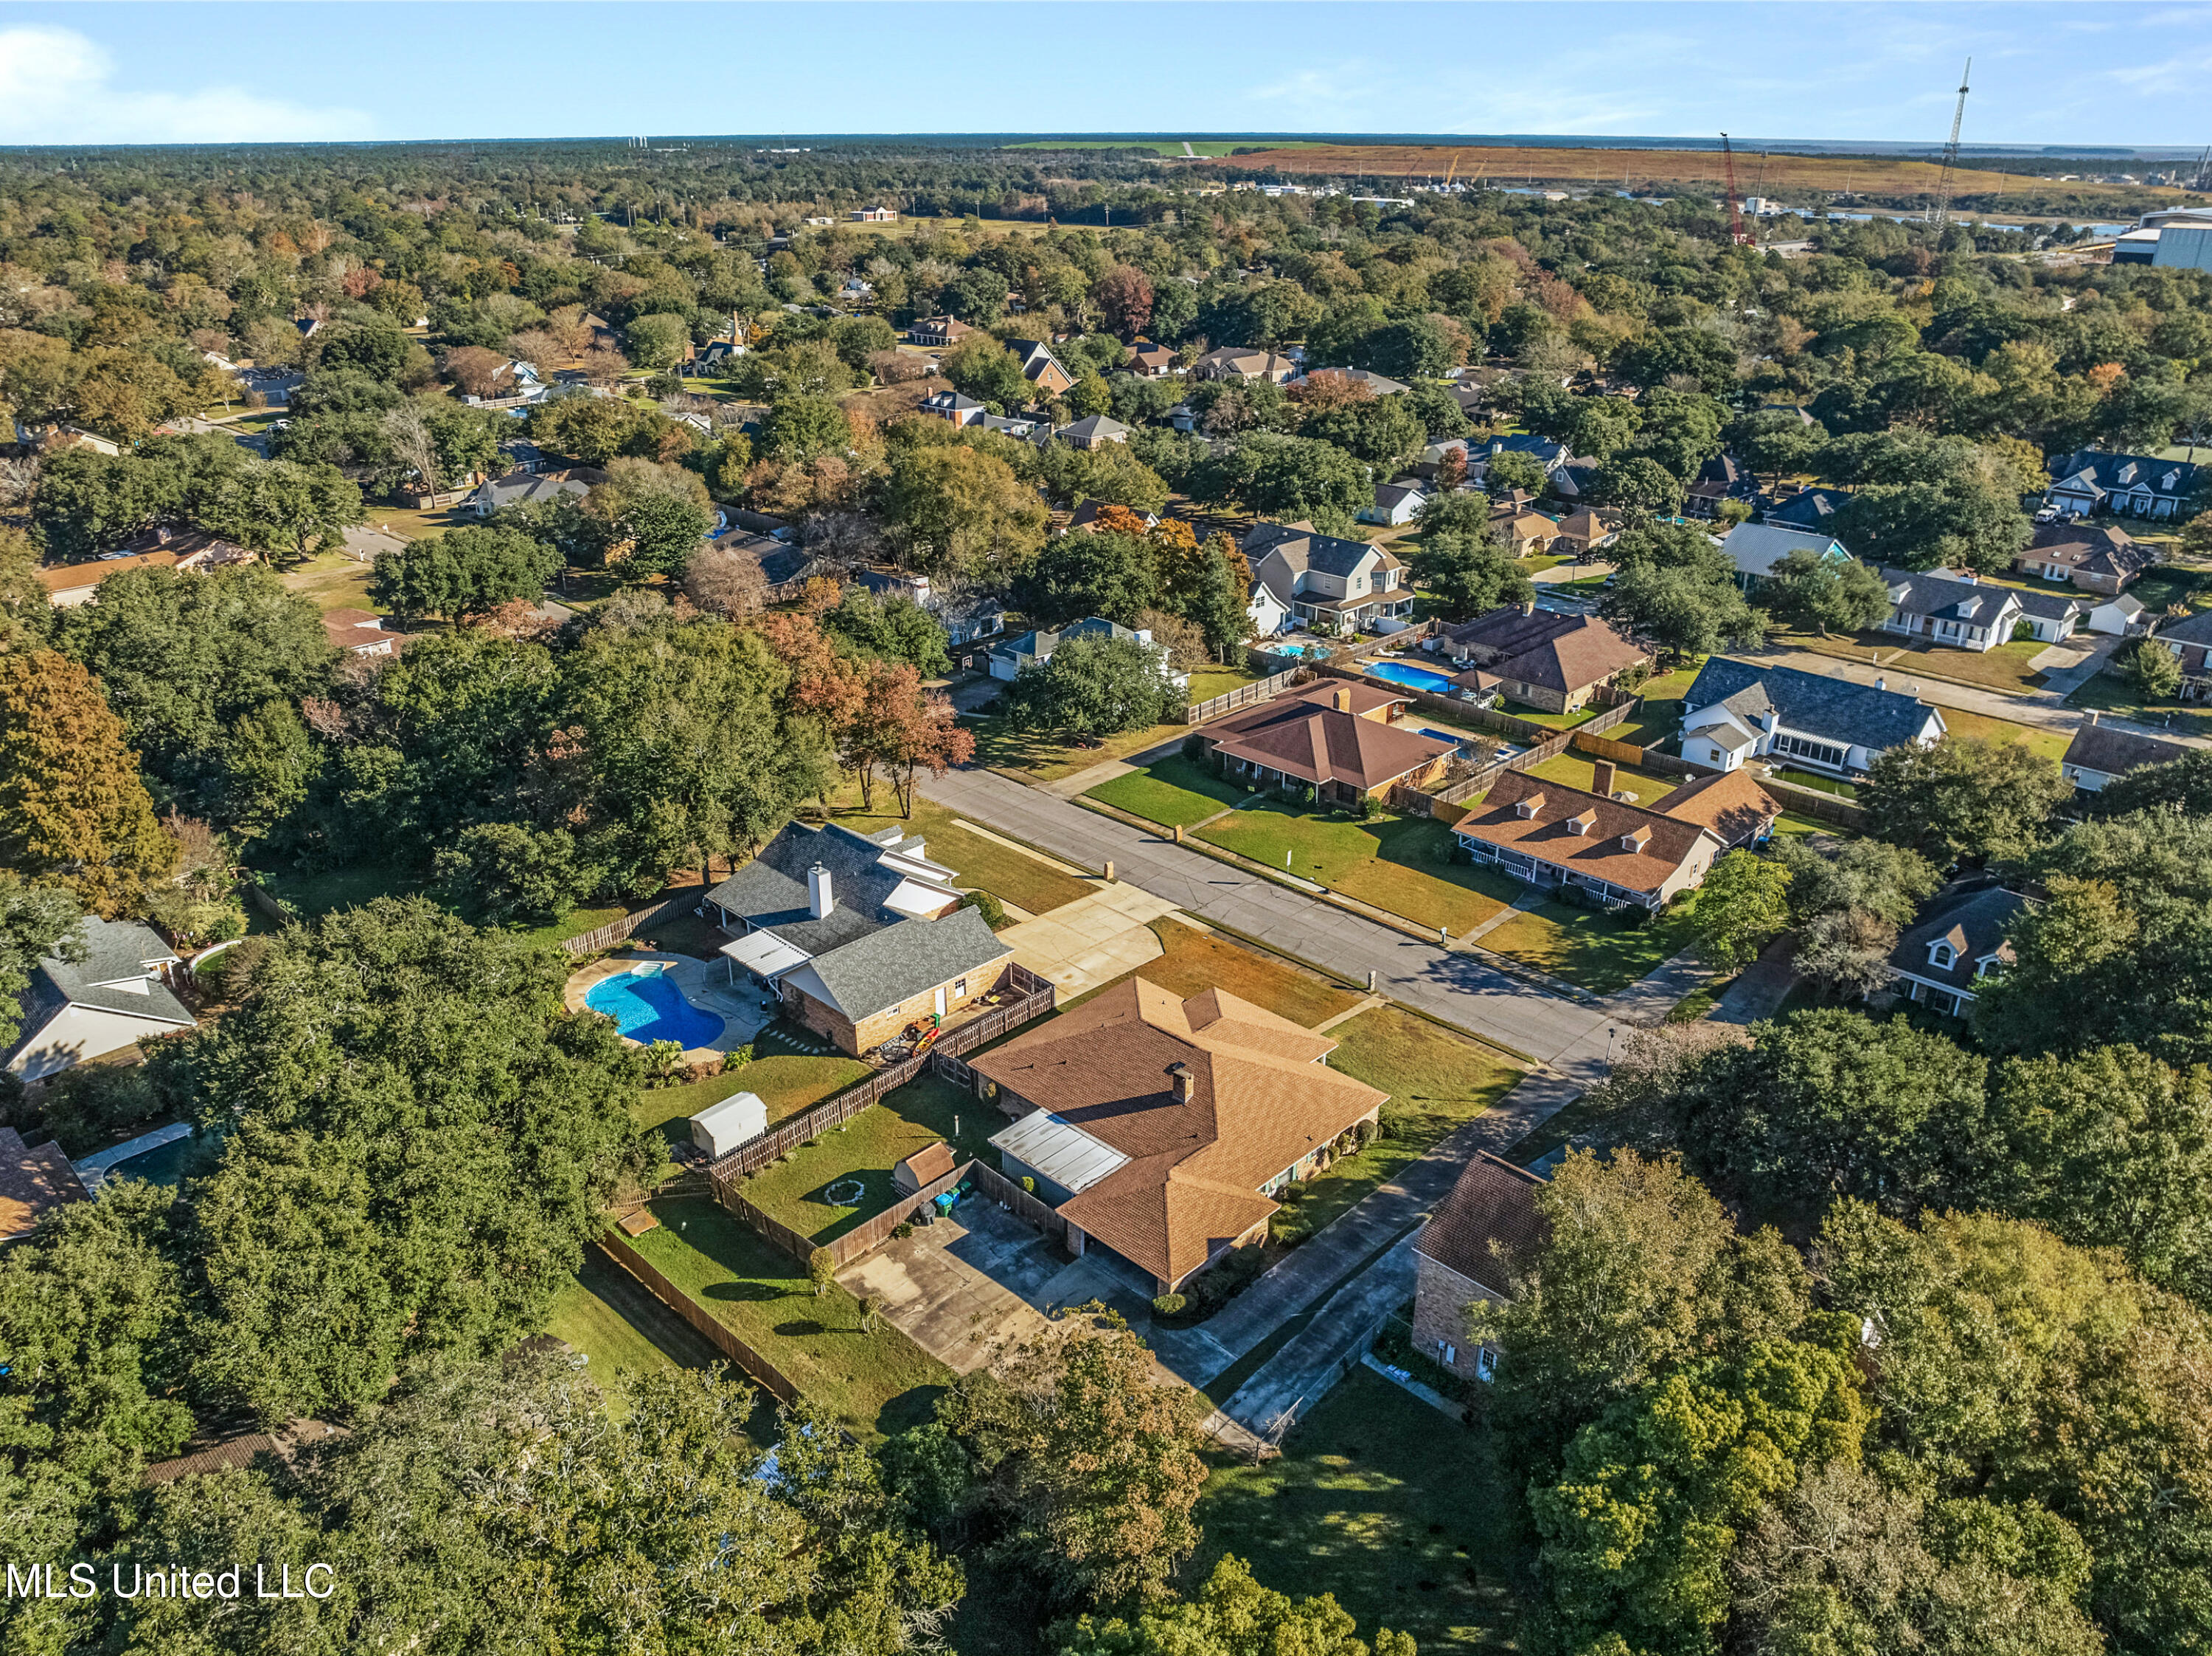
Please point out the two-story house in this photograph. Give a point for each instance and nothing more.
(1243, 362)
(1551, 662)
(2134, 485)
(1735, 712)
(1487, 1230)
(1040, 366)
(950, 405)
(1322, 578)
(2189, 640)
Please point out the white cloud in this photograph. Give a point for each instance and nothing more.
(58, 86)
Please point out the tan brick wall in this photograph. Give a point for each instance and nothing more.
(872, 1032)
(1441, 1296)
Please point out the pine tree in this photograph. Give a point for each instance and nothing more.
(72, 806)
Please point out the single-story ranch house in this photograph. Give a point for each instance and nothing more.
(102, 1003)
(1035, 649)
(1163, 1129)
(2136, 485)
(858, 935)
(2098, 753)
(1552, 662)
(1735, 710)
(2097, 558)
(1485, 1229)
(1546, 834)
(1339, 736)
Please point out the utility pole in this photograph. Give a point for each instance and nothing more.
(1941, 215)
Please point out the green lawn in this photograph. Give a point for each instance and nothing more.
(2159, 589)
(1791, 826)
(1587, 948)
(1818, 783)
(787, 1083)
(316, 895)
(1582, 715)
(1035, 757)
(1383, 1502)
(794, 1192)
(2051, 744)
(574, 924)
(874, 1384)
(1436, 1079)
(1174, 792)
(1578, 770)
(2115, 692)
(622, 1329)
(1401, 863)
(2004, 669)
(1192, 961)
(1011, 875)
(1656, 722)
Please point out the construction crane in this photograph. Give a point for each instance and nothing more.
(1734, 201)
(2203, 178)
(1941, 214)
(1452, 171)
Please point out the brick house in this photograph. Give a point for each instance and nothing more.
(1163, 1129)
(1551, 662)
(937, 331)
(1040, 366)
(1340, 737)
(2189, 641)
(858, 935)
(1486, 1228)
(2094, 558)
(1243, 362)
(1546, 834)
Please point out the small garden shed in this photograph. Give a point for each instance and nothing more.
(720, 1128)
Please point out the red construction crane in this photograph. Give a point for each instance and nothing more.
(1736, 202)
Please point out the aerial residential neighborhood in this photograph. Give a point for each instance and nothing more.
(1033, 893)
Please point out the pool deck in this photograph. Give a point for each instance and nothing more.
(739, 1005)
(92, 1172)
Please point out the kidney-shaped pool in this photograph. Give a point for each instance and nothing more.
(648, 1007)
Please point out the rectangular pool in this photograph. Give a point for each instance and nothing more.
(1416, 678)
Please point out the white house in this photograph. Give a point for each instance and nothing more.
(1326, 579)
(1735, 712)
(1395, 504)
(1951, 607)
(81, 1009)
(1035, 649)
(1757, 548)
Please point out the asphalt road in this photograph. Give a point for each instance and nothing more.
(1461, 989)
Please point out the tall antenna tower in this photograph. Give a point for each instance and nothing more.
(1734, 201)
(1941, 214)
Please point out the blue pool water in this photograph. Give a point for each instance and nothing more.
(650, 1008)
(1419, 678)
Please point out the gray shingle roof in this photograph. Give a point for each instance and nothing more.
(2121, 473)
(1305, 548)
(770, 891)
(2195, 628)
(903, 961)
(1857, 714)
(1815, 508)
(1973, 918)
(1938, 592)
(2100, 748)
(115, 952)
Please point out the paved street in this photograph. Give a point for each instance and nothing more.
(1461, 989)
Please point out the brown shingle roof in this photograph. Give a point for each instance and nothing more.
(31, 1182)
(1567, 653)
(1489, 1226)
(1732, 805)
(1261, 1102)
(1301, 734)
(1599, 852)
(2099, 549)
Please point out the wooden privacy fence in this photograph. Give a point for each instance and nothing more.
(1038, 999)
(614, 931)
(864, 1238)
(1811, 802)
(1019, 1202)
(1242, 696)
(766, 1374)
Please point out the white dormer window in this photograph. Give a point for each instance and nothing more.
(1941, 955)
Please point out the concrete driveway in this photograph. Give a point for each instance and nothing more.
(970, 1287)
(1092, 940)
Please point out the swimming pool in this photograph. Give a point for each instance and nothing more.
(1418, 678)
(646, 1007)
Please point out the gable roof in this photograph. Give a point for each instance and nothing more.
(1189, 1183)
(31, 1181)
(1304, 547)
(2113, 752)
(2195, 628)
(1757, 548)
(1972, 917)
(1810, 508)
(900, 961)
(1305, 733)
(1730, 805)
(1488, 1226)
(1858, 715)
(1946, 595)
(2093, 472)
(2096, 550)
(1585, 832)
(1043, 641)
(866, 872)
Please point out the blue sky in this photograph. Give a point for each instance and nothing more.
(2068, 73)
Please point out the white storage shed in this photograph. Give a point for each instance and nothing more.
(720, 1128)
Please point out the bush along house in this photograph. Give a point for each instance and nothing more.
(858, 935)
(1163, 1129)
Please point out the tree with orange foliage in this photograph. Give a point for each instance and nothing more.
(1329, 388)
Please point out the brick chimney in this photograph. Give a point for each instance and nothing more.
(1185, 1083)
(820, 899)
(1601, 775)
(1340, 698)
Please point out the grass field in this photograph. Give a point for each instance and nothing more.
(1174, 792)
(1037, 758)
(874, 1384)
(1382, 1500)
(2115, 692)
(785, 1083)
(1656, 722)
(1587, 948)
(1192, 961)
(1166, 146)
(2051, 744)
(610, 1316)
(919, 1114)
(332, 580)
(316, 895)
(1010, 875)
(1437, 1080)
(1400, 864)
(1578, 771)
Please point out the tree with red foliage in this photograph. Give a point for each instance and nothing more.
(1124, 298)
